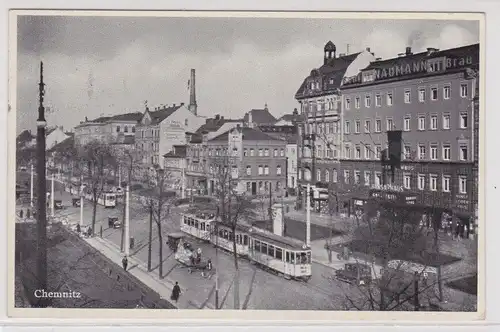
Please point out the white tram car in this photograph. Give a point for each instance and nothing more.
(108, 200)
(198, 225)
(223, 238)
(282, 255)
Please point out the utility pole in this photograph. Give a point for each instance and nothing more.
(31, 192)
(52, 197)
(81, 202)
(308, 216)
(127, 221)
(42, 197)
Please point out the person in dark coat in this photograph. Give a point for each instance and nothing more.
(125, 263)
(176, 292)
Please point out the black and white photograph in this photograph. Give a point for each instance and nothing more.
(303, 163)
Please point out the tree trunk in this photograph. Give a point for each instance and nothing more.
(160, 239)
(150, 234)
(94, 214)
(122, 241)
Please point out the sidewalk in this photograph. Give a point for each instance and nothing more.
(138, 269)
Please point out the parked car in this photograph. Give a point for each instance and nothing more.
(355, 273)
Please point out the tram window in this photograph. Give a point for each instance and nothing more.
(245, 240)
(309, 257)
(196, 224)
(202, 226)
(263, 248)
(256, 245)
(221, 233)
(292, 257)
(231, 236)
(270, 251)
(238, 239)
(226, 235)
(287, 257)
(185, 220)
(279, 254)
(303, 258)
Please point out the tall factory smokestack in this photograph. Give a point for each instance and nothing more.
(192, 94)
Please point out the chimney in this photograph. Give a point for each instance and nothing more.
(408, 51)
(341, 55)
(86, 119)
(401, 55)
(173, 105)
(250, 119)
(193, 107)
(368, 49)
(431, 50)
(182, 104)
(378, 59)
(217, 117)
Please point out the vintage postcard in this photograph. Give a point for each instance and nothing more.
(279, 165)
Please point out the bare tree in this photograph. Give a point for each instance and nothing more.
(159, 203)
(97, 160)
(397, 247)
(232, 205)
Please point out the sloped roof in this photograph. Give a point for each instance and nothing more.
(260, 116)
(136, 116)
(330, 75)
(162, 114)
(249, 134)
(458, 52)
(64, 145)
(225, 127)
(212, 125)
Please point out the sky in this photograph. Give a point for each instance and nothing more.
(97, 66)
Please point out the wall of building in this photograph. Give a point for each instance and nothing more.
(413, 137)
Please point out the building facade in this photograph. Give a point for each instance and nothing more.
(109, 129)
(430, 97)
(319, 135)
(161, 129)
(257, 159)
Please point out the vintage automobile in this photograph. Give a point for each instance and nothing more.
(58, 204)
(76, 202)
(173, 240)
(113, 222)
(355, 273)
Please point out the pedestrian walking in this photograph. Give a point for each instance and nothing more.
(28, 211)
(125, 263)
(78, 229)
(176, 292)
(21, 213)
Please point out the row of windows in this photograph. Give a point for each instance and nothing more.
(423, 153)
(264, 186)
(152, 133)
(430, 180)
(422, 124)
(275, 252)
(246, 152)
(422, 96)
(263, 170)
(125, 129)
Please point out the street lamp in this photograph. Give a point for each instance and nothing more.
(31, 192)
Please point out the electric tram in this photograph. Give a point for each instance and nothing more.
(279, 254)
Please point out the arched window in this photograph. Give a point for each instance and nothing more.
(117, 129)
(125, 129)
(133, 129)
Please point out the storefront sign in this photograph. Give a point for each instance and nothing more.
(388, 187)
(414, 67)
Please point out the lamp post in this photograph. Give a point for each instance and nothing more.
(42, 197)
